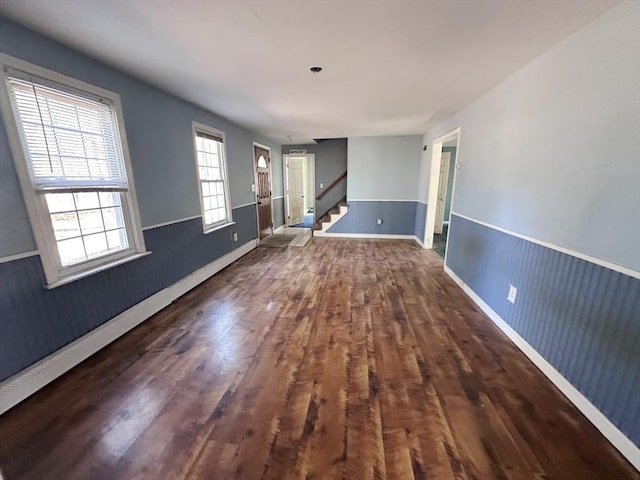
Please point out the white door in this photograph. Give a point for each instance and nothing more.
(442, 191)
(295, 190)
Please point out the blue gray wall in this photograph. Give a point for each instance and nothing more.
(382, 184)
(537, 151)
(537, 155)
(398, 218)
(278, 211)
(384, 168)
(331, 162)
(35, 322)
(420, 220)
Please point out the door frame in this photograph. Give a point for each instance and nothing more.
(255, 185)
(434, 183)
(310, 159)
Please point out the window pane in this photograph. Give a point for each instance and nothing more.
(95, 245)
(117, 239)
(60, 202)
(113, 218)
(91, 221)
(65, 225)
(71, 251)
(86, 200)
(109, 199)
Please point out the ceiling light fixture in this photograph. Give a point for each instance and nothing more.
(315, 69)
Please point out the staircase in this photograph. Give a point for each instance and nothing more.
(327, 221)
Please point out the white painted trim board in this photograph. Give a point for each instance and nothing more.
(603, 263)
(382, 200)
(171, 222)
(18, 256)
(618, 439)
(28, 381)
(379, 236)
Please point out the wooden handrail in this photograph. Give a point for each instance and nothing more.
(333, 184)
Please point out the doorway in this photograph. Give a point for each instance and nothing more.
(444, 159)
(299, 177)
(262, 162)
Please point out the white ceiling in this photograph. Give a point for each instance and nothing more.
(390, 66)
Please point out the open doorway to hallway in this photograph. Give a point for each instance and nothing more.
(441, 186)
(445, 191)
(299, 177)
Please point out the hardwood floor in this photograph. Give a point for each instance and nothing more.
(347, 359)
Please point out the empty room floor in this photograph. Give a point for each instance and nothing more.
(347, 359)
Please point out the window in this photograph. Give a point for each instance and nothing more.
(74, 172)
(212, 175)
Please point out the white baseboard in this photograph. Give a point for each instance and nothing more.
(618, 439)
(25, 383)
(319, 233)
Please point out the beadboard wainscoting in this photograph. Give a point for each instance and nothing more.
(579, 317)
(398, 218)
(38, 322)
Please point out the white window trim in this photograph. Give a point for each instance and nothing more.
(200, 127)
(36, 204)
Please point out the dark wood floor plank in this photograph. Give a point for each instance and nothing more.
(347, 359)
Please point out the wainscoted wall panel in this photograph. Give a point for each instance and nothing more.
(246, 226)
(36, 321)
(398, 218)
(278, 212)
(421, 220)
(582, 317)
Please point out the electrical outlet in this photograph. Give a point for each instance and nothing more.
(322, 185)
(513, 291)
(253, 187)
(379, 221)
(235, 236)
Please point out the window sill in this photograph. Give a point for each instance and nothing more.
(100, 268)
(219, 227)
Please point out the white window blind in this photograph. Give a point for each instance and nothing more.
(71, 142)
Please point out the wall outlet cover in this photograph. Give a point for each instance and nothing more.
(513, 291)
(379, 221)
(235, 236)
